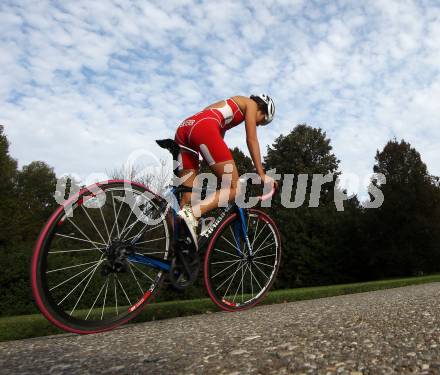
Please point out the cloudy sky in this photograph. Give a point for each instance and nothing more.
(83, 84)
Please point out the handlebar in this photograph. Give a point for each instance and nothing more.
(268, 195)
(265, 196)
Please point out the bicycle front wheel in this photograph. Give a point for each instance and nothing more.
(83, 281)
(235, 277)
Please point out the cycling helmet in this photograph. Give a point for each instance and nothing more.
(270, 106)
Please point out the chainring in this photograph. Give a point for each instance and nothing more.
(179, 276)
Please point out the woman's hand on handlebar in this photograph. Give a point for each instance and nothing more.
(267, 180)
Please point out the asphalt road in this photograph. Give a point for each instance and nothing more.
(382, 332)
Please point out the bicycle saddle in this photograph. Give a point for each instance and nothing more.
(173, 147)
(170, 145)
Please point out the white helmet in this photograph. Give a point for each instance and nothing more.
(270, 107)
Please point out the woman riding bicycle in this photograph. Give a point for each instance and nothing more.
(204, 133)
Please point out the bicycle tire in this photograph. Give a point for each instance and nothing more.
(214, 255)
(49, 238)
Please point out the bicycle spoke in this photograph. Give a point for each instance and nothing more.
(70, 278)
(234, 246)
(94, 302)
(256, 251)
(265, 256)
(255, 234)
(145, 225)
(254, 277)
(225, 252)
(252, 284)
(224, 282)
(78, 228)
(224, 269)
(240, 285)
(77, 265)
(81, 239)
(224, 261)
(130, 227)
(143, 273)
(235, 239)
(75, 250)
(125, 293)
(259, 269)
(265, 247)
(116, 296)
(233, 277)
(116, 217)
(137, 282)
(105, 297)
(138, 220)
(105, 224)
(77, 285)
(147, 241)
(93, 224)
(264, 264)
(126, 222)
(85, 288)
(261, 231)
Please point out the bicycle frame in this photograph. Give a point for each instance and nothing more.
(239, 230)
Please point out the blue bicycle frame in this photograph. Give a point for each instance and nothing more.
(240, 230)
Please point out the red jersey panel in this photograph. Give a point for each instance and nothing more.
(204, 133)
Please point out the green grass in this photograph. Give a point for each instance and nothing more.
(27, 326)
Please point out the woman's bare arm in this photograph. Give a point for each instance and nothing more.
(251, 136)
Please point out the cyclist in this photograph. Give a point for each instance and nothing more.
(204, 132)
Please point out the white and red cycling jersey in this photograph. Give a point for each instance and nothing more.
(204, 133)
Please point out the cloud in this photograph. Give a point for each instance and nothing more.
(83, 84)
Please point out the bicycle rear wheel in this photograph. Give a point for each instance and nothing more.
(235, 279)
(82, 280)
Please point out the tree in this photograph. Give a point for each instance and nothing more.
(36, 184)
(8, 174)
(304, 150)
(313, 250)
(155, 179)
(243, 162)
(403, 230)
(18, 194)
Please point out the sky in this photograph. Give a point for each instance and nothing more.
(85, 84)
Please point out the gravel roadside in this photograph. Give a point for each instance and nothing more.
(382, 332)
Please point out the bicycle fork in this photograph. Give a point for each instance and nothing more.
(241, 231)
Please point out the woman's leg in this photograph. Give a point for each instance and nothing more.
(227, 173)
(188, 176)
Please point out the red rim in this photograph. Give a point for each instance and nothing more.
(226, 305)
(36, 284)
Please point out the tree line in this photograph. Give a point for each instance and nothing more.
(321, 245)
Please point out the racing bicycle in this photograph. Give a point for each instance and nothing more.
(105, 252)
